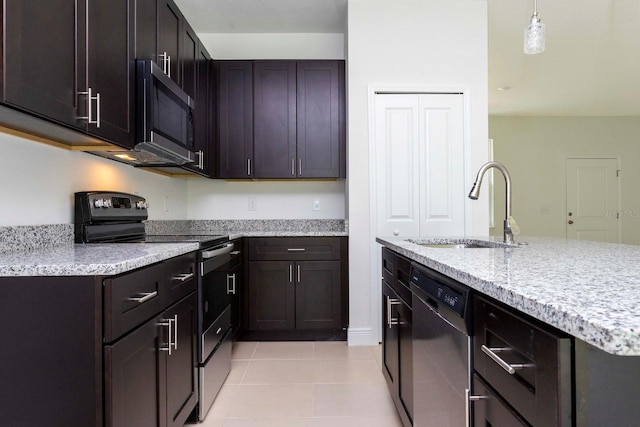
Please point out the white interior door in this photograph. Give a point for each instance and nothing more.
(419, 174)
(442, 192)
(397, 165)
(592, 200)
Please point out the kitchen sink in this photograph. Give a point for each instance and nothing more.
(459, 243)
(452, 245)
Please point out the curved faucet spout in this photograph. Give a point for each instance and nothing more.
(475, 193)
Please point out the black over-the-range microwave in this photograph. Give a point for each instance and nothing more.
(164, 116)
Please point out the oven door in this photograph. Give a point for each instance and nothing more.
(214, 298)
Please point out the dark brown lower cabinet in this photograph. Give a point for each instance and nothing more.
(491, 410)
(149, 374)
(297, 285)
(294, 295)
(397, 333)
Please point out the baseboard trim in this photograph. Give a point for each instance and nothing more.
(361, 336)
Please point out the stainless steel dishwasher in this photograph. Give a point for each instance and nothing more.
(441, 349)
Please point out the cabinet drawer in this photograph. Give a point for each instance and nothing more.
(396, 271)
(491, 410)
(538, 385)
(294, 248)
(181, 277)
(132, 298)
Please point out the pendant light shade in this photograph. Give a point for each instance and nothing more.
(534, 34)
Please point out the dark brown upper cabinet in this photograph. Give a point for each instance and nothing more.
(234, 119)
(274, 109)
(111, 55)
(44, 66)
(169, 38)
(293, 128)
(73, 65)
(320, 119)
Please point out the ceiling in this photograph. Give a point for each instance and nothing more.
(591, 65)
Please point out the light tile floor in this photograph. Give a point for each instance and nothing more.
(303, 384)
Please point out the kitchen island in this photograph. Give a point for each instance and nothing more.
(588, 290)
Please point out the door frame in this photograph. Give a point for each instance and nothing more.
(375, 248)
(618, 181)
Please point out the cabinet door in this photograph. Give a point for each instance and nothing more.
(203, 144)
(390, 356)
(234, 282)
(271, 295)
(182, 387)
(110, 70)
(234, 105)
(275, 119)
(319, 107)
(45, 57)
(188, 58)
(146, 23)
(135, 383)
(318, 295)
(169, 38)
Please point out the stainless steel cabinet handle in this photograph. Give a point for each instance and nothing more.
(298, 273)
(390, 319)
(299, 167)
(467, 405)
(293, 167)
(183, 277)
(169, 65)
(175, 332)
(215, 252)
(200, 155)
(296, 249)
(167, 322)
(509, 367)
(231, 280)
(290, 273)
(144, 297)
(248, 167)
(90, 98)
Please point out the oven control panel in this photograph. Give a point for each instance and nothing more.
(93, 206)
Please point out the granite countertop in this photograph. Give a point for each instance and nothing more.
(89, 259)
(589, 290)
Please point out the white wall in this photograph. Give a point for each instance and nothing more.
(407, 43)
(535, 148)
(219, 199)
(37, 182)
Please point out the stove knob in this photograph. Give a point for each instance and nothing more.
(107, 203)
(140, 204)
(98, 203)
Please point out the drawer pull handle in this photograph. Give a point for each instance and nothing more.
(296, 249)
(509, 367)
(184, 277)
(390, 319)
(467, 406)
(144, 297)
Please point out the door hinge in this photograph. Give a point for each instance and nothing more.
(618, 172)
(617, 215)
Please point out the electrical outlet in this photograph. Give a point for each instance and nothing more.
(316, 205)
(253, 205)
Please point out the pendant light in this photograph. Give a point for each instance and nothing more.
(534, 34)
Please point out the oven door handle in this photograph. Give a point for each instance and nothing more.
(215, 252)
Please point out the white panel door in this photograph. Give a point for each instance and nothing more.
(397, 163)
(419, 171)
(592, 200)
(441, 165)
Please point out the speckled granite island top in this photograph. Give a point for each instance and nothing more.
(590, 290)
(88, 260)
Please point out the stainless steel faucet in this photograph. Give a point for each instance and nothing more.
(475, 192)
